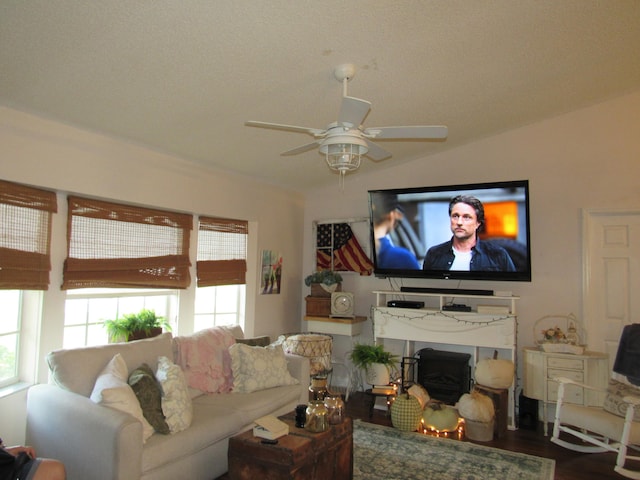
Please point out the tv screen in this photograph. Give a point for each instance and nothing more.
(473, 231)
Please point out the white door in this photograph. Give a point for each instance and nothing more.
(611, 276)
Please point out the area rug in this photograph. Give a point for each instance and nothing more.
(385, 453)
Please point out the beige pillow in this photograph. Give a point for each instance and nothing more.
(258, 368)
(613, 399)
(176, 401)
(112, 390)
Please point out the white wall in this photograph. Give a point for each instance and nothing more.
(42, 153)
(583, 159)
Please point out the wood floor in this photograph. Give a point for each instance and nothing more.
(569, 465)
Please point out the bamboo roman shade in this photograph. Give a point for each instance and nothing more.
(25, 236)
(115, 245)
(222, 251)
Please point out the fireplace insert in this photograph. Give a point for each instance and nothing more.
(445, 375)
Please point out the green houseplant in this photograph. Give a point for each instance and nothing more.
(375, 361)
(135, 326)
(323, 283)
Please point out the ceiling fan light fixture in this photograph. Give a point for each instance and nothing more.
(343, 157)
(343, 153)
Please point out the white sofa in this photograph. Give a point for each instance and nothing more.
(97, 442)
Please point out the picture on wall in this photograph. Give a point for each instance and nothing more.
(271, 272)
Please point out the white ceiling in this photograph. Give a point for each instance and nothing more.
(182, 76)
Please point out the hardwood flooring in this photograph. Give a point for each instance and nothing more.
(569, 465)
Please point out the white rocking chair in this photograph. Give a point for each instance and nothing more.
(604, 431)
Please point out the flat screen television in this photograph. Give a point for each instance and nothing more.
(464, 232)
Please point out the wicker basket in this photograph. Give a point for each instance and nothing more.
(318, 306)
(478, 431)
(318, 291)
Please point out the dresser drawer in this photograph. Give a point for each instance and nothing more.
(576, 376)
(568, 363)
(573, 393)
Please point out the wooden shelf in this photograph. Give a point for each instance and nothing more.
(335, 325)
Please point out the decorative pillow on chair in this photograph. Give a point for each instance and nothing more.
(112, 390)
(147, 389)
(258, 368)
(176, 401)
(613, 399)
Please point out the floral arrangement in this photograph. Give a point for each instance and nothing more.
(554, 335)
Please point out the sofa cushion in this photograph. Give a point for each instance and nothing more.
(613, 402)
(261, 341)
(112, 390)
(147, 389)
(176, 401)
(77, 369)
(204, 359)
(258, 368)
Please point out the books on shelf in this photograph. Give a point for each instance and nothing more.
(270, 427)
(384, 389)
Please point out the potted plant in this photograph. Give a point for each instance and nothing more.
(323, 283)
(135, 326)
(375, 361)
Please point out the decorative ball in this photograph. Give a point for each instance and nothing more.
(440, 417)
(494, 373)
(406, 413)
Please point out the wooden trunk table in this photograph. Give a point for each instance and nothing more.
(301, 455)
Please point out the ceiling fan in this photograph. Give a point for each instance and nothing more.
(344, 141)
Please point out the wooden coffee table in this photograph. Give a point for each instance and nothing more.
(301, 455)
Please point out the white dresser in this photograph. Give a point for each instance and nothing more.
(591, 368)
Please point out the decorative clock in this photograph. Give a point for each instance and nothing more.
(342, 304)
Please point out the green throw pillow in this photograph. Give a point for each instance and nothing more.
(149, 393)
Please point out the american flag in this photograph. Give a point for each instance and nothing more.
(347, 253)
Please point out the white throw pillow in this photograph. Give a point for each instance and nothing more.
(176, 400)
(112, 390)
(258, 368)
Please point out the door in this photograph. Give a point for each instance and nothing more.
(611, 293)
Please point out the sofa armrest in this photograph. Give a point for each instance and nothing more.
(300, 368)
(92, 441)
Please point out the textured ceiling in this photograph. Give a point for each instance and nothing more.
(182, 76)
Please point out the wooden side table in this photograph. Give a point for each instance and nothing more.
(301, 455)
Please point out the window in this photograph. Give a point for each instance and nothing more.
(222, 267)
(222, 305)
(9, 336)
(86, 309)
(25, 236)
(122, 246)
(338, 249)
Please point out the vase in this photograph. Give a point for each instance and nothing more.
(378, 374)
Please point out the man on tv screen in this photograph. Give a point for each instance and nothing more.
(465, 252)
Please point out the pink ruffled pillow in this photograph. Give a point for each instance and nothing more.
(205, 360)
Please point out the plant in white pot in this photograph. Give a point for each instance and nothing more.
(377, 363)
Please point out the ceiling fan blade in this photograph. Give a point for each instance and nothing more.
(417, 132)
(290, 128)
(353, 111)
(302, 149)
(376, 153)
